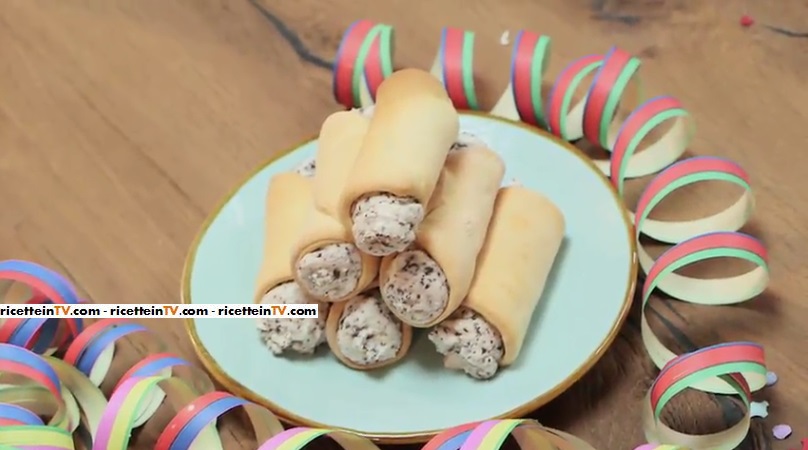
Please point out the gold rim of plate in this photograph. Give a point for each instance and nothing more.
(422, 436)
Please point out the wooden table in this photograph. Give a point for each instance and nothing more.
(122, 123)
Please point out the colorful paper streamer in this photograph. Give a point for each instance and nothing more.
(726, 362)
(565, 112)
(194, 425)
(454, 66)
(529, 59)
(68, 387)
(626, 162)
(44, 286)
(616, 76)
(365, 58)
(639, 146)
(124, 409)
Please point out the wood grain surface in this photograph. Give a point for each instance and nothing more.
(122, 123)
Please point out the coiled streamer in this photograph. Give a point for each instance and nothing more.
(599, 98)
(69, 390)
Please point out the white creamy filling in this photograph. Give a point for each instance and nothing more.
(332, 272)
(298, 335)
(368, 332)
(384, 224)
(416, 288)
(468, 343)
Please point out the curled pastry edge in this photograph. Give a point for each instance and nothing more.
(367, 277)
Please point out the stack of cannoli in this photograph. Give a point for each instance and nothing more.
(401, 222)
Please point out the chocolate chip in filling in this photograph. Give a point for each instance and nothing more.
(331, 272)
(470, 343)
(384, 223)
(368, 332)
(307, 168)
(416, 289)
(466, 140)
(298, 335)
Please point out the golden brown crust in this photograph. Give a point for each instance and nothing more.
(524, 237)
(455, 227)
(286, 200)
(413, 126)
(340, 138)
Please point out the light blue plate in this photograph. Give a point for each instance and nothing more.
(579, 315)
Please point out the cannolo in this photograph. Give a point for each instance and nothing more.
(425, 283)
(364, 334)
(327, 264)
(412, 129)
(285, 214)
(488, 330)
